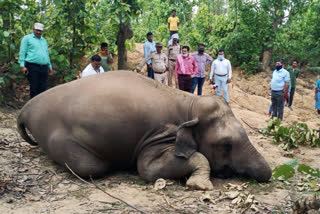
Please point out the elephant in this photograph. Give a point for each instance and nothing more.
(124, 120)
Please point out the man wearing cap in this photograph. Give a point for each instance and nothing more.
(173, 50)
(34, 60)
(159, 62)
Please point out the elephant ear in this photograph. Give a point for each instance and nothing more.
(185, 144)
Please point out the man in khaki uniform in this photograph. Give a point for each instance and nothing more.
(159, 64)
(173, 50)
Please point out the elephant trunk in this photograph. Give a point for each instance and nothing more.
(251, 163)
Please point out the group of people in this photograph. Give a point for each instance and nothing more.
(187, 69)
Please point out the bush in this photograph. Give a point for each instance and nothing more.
(292, 136)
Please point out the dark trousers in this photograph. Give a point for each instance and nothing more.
(185, 82)
(277, 104)
(197, 81)
(37, 77)
(150, 73)
(291, 96)
(172, 32)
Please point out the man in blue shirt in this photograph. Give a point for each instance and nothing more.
(34, 60)
(149, 47)
(279, 86)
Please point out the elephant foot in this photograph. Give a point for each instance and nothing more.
(199, 183)
(200, 178)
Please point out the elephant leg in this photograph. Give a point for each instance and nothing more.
(84, 163)
(154, 163)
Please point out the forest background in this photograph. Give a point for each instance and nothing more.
(252, 32)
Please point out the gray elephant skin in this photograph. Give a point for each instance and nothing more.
(121, 120)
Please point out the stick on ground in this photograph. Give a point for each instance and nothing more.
(99, 188)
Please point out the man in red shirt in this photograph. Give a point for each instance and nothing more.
(186, 68)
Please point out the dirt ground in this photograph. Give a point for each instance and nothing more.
(31, 183)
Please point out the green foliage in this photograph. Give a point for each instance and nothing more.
(284, 171)
(245, 29)
(292, 136)
(309, 178)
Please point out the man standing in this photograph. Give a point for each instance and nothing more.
(106, 57)
(173, 23)
(159, 64)
(294, 74)
(202, 60)
(94, 67)
(279, 86)
(34, 60)
(186, 68)
(172, 52)
(221, 68)
(149, 47)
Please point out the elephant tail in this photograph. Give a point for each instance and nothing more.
(22, 130)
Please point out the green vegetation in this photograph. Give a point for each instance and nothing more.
(306, 177)
(292, 136)
(252, 33)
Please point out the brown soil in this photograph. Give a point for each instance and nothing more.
(31, 183)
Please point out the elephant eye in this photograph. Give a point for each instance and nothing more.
(228, 147)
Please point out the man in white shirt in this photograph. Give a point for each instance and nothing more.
(221, 68)
(94, 67)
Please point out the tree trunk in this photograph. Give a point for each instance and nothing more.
(125, 32)
(268, 49)
(266, 59)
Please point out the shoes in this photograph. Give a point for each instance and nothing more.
(286, 104)
(290, 108)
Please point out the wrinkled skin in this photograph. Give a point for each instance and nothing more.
(119, 120)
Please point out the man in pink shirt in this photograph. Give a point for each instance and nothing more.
(186, 68)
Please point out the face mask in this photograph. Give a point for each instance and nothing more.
(185, 55)
(220, 57)
(200, 50)
(278, 67)
(150, 40)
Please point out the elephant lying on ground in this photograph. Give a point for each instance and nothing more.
(121, 119)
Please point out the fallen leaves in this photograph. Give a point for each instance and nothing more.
(160, 184)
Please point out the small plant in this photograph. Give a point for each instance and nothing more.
(292, 136)
(308, 177)
(303, 184)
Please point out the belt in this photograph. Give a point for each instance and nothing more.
(35, 64)
(221, 75)
(172, 60)
(160, 72)
(278, 91)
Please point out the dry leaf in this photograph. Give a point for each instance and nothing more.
(160, 184)
(206, 198)
(32, 198)
(232, 195)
